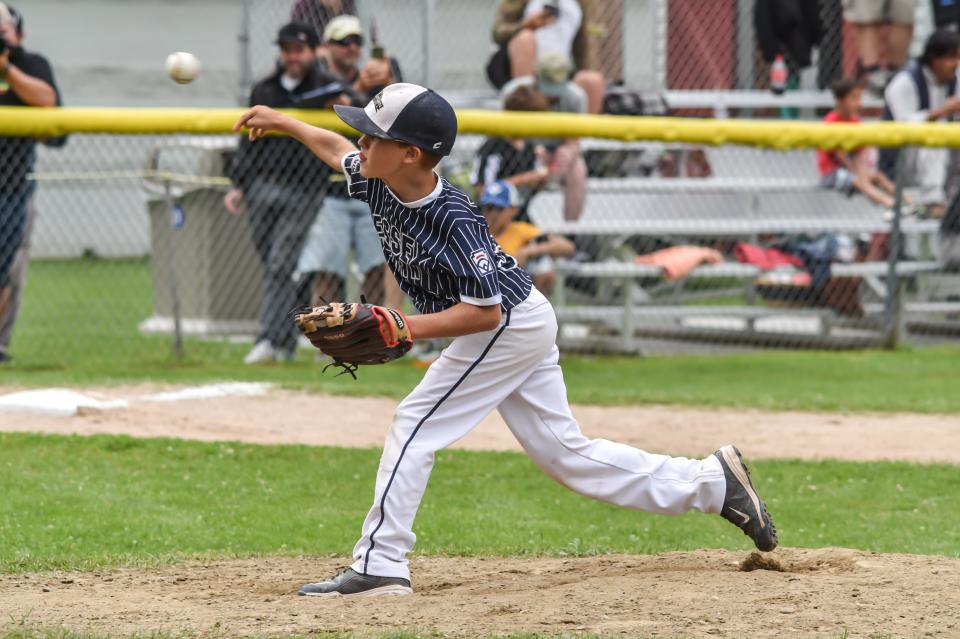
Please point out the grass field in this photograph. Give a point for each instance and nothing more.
(79, 326)
(85, 502)
(91, 502)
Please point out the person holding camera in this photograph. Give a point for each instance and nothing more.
(340, 55)
(343, 223)
(26, 79)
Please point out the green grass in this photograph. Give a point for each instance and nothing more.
(85, 502)
(79, 327)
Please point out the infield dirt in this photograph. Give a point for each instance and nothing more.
(790, 592)
(287, 417)
(821, 592)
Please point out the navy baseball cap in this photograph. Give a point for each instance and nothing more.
(406, 113)
(299, 32)
(500, 194)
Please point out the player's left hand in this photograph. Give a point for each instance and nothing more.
(354, 334)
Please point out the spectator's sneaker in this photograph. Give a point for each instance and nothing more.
(263, 351)
(906, 211)
(742, 505)
(350, 583)
(283, 355)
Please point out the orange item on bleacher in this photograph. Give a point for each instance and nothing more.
(678, 261)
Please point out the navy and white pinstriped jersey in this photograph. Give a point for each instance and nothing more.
(439, 247)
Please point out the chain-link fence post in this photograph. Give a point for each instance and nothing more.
(661, 50)
(745, 47)
(428, 20)
(245, 72)
(176, 222)
(893, 305)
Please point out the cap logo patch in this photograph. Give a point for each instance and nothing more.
(378, 101)
(481, 261)
(437, 145)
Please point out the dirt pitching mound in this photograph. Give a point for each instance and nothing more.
(790, 592)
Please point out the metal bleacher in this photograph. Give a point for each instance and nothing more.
(752, 194)
(734, 203)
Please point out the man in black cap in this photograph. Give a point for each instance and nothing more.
(283, 184)
(26, 79)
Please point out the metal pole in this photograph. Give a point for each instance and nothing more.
(662, 45)
(744, 45)
(175, 224)
(245, 74)
(893, 305)
(427, 36)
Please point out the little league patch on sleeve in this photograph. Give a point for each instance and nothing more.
(482, 262)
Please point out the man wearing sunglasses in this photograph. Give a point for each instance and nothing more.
(343, 223)
(340, 54)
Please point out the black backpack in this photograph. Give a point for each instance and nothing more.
(620, 100)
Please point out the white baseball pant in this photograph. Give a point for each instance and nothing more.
(514, 369)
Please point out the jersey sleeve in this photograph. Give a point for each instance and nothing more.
(357, 185)
(471, 256)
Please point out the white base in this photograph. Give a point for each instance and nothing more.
(58, 402)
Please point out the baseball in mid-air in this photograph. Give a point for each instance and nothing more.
(183, 67)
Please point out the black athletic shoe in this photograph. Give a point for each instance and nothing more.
(350, 583)
(742, 505)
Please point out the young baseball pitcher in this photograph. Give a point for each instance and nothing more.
(504, 356)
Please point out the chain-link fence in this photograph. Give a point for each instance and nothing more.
(644, 247)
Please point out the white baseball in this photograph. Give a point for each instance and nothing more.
(183, 67)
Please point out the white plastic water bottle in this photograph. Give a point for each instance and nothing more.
(778, 75)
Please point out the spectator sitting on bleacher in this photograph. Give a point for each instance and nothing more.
(883, 31)
(851, 171)
(512, 159)
(563, 158)
(527, 30)
(925, 91)
(533, 249)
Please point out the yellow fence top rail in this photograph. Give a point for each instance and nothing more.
(778, 134)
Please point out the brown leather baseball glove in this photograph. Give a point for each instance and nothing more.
(354, 334)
